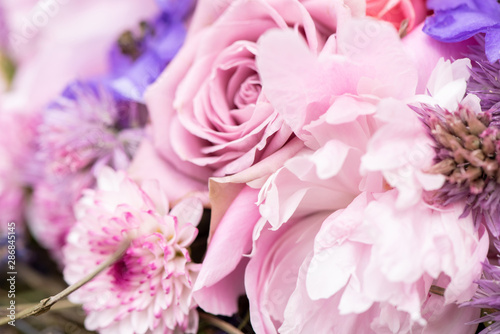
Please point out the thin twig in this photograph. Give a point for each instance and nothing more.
(219, 323)
(62, 305)
(45, 304)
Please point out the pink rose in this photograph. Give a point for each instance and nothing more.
(209, 109)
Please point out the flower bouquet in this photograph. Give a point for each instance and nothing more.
(250, 166)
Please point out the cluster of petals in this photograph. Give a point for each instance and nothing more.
(148, 290)
(211, 97)
(302, 124)
(368, 266)
(81, 131)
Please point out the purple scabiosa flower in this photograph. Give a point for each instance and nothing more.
(86, 128)
(458, 20)
(140, 56)
(149, 290)
(483, 81)
(467, 148)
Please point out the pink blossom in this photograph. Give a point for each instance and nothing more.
(340, 91)
(354, 255)
(364, 61)
(401, 148)
(312, 181)
(402, 151)
(149, 289)
(323, 316)
(290, 267)
(211, 96)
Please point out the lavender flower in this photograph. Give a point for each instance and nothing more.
(467, 147)
(139, 57)
(85, 129)
(455, 21)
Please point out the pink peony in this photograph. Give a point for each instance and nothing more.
(363, 63)
(290, 267)
(402, 149)
(323, 316)
(149, 289)
(211, 96)
(354, 255)
(339, 89)
(364, 114)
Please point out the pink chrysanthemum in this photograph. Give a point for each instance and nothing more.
(149, 289)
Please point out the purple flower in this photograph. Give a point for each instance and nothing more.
(458, 20)
(487, 297)
(86, 128)
(139, 57)
(467, 147)
(484, 77)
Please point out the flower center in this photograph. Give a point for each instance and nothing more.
(467, 148)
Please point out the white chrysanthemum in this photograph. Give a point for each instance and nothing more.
(149, 289)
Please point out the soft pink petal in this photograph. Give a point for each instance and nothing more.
(231, 240)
